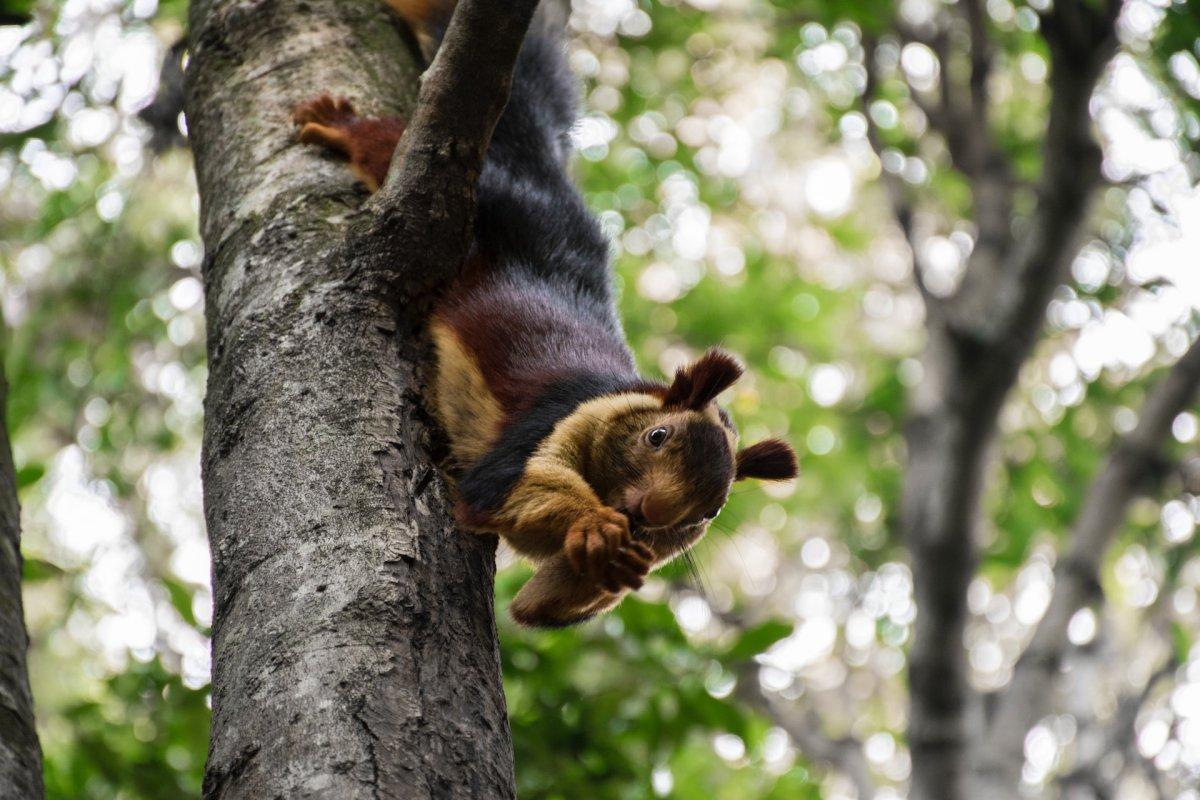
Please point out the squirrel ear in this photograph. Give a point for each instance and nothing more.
(697, 384)
(769, 460)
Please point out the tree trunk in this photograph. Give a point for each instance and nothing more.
(978, 340)
(20, 753)
(354, 642)
(947, 437)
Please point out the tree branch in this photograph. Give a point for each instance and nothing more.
(1006, 288)
(1119, 734)
(424, 212)
(803, 725)
(981, 65)
(1130, 469)
(971, 362)
(963, 123)
(893, 185)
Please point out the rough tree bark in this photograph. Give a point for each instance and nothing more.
(20, 752)
(354, 643)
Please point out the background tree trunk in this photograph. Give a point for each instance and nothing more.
(978, 338)
(20, 753)
(354, 642)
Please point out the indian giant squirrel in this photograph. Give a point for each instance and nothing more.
(592, 472)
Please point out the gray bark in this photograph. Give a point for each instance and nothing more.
(354, 643)
(20, 752)
(977, 341)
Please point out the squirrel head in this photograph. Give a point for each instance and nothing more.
(669, 469)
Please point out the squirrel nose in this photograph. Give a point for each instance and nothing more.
(631, 506)
(648, 509)
(654, 511)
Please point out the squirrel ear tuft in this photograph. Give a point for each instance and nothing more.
(769, 460)
(697, 384)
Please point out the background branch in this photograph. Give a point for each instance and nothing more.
(843, 755)
(981, 61)
(897, 194)
(971, 361)
(1132, 467)
(802, 724)
(1120, 735)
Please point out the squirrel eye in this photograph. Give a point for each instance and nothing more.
(713, 513)
(657, 436)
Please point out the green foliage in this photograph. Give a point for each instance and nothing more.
(143, 735)
(592, 707)
(710, 121)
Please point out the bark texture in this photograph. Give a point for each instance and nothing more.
(354, 642)
(978, 340)
(20, 752)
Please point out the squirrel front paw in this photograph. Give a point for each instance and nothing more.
(599, 546)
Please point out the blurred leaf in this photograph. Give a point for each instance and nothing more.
(29, 475)
(758, 639)
(34, 569)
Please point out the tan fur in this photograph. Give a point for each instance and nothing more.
(552, 494)
(586, 421)
(465, 407)
(546, 502)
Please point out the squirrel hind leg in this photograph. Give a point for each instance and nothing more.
(366, 142)
(556, 597)
(426, 17)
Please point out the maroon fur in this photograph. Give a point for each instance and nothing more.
(698, 384)
(525, 337)
(366, 142)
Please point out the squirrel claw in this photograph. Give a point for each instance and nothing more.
(595, 539)
(325, 110)
(366, 142)
(326, 121)
(599, 547)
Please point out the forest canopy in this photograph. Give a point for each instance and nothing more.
(787, 178)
